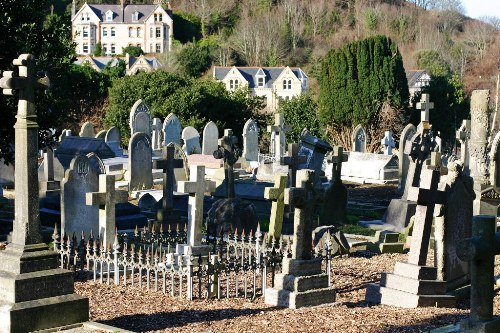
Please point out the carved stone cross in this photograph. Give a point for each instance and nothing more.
(167, 164)
(293, 160)
(106, 199)
(463, 135)
(425, 106)
(388, 143)
(276, 194)
(230, 153)
(302, 198)
(336, 159)
(26, 228)
(279, 128)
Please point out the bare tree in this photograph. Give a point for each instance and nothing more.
(316, 10)
(294, 16)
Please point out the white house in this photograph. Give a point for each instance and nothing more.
(149, 27)
(274, 83)
(133, 65)
(417, 79)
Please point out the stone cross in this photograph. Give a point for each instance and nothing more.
(293, 160)
(230, 153)
(425, 106)
(196, 188)
(276, 194)
(26, 228)
(106, 199)
(463, 135)
(419, 153)
(480, 251)
(167, 164)
(336, 159)
(427, 199)
(302, 198)
(388, 143)
(279, 128)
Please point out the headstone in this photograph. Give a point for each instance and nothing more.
(191, 139)
(146, 202)
(210, 137)
(48, 187)
(87, 130)
(230, 153)
(388, 143)
(113, 140)
(101, 135)
(403, 158)
(76, 216)
(156, 137)
(171, 130)
(106, 198)
(36, 294)
(96, 163)
(140, 119)
(251, 140)
(463, 135)
(425, 105)
(277, 195)
(359, 139)
(302, 282)
(278, 130)
(370, 168)
(64, 134)
(140, 163)
(314, 151)
(196, 188)
(74, 145)
(231, 215)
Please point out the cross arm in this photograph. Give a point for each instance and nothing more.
(188, 187)
(295, 196)
(209, 186)
(95, 198)
(121, 196)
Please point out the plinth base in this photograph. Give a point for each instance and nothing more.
(183, 249)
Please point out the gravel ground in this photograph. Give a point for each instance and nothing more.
(148, 311)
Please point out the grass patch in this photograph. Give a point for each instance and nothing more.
(357, 230)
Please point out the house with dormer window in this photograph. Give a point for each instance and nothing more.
(149, 27)
(273, 83)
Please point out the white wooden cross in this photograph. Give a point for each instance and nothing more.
(107, 198)
(425, 106)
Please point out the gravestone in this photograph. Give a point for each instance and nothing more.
(156, 137)
(36, 294)
(293, 160)
(388, 143)
(313, 150)
(87, 130)
(74, 145)
(463, 135)
(403, 158)
(425, 105)
(414, 284)
(140, 163)
(278, 136)
(140, 119)
(230, 153)
(48, 187)
(96, 163)
(113, 140)
(302, 282)
(171, 130)
(76, 216)
(277, 195)
(196, 188)
(105, 199)
(359, 139)
(251, 140)
(64, 134)
(334, 206)
(370, 168)
(191, 139)
(101, 135)
(210, 137)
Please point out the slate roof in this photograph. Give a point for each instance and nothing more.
(101, 62)
(144, 12)
(152, 61)
(412, 76)
(72, 145)
(272, 73)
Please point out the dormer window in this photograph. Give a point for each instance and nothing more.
(109, 16)
(260, 82)
(287, 84)
(160, 17)
(135, 16)
(155, 17)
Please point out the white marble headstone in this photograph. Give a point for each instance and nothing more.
(171, 130)
(210, 138)
(191, 139)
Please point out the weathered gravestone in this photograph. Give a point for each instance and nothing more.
(76, 216)
(251, 140)
(302, 282)
(210, 137)
(277, 195)
(74, 145)
(113, 140)
(140, 119)
(36, 294)
(191, 139)
(171, 130)
(228, 151)
(314, 151)
(87, 130)
(359, 139)
(403, 158)
(156, 137)
(414, 284)
(196, 188)
(463, 135)
(480, 251)
(278, 136)
(388, 143)
(106, 198)
(140, 162)
(293, 160)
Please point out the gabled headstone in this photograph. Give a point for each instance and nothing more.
(171, 130)
(403, 158)
(191, 139)
(113, 140)
(314, 149)
(359, 139)
(156, 137)
(140, 162)
(140, 118)
(87, 130)
(251, 140)
(73, 145)
(210, 138)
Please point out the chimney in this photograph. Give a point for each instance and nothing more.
(73, 9)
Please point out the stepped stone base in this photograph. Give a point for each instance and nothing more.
(410, 286)
(469, 326)
(301, 284)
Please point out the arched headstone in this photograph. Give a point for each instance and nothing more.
(251, 140)
(210, 138)
(87, 130)
(101, 135)
(96, 163)
(113, 140)
(191, 139)
(140, 162)
(140, 118)
(171, 130)
(359, 139)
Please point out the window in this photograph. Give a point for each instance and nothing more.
(104, 32)
(139, 45)
(160, 17)
(112, 32)
(85, 48)
(105, 48)
(150, 47)
(91, 31)
(158, 32)
(112, 48)
(287, 84)
(109, 16)
(158, 48)
(138, 32)
(156, 17)
(165, 32)
(236, 84)
(231, 84)
(130, 32)
(85, 32)
(260, 82)
(150, 32)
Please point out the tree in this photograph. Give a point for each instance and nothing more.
(300, 112)
(432, 62)
(363, 83)
(194, 59)
(98, 50)
(134, 51)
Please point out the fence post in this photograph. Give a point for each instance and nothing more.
(116, 252)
